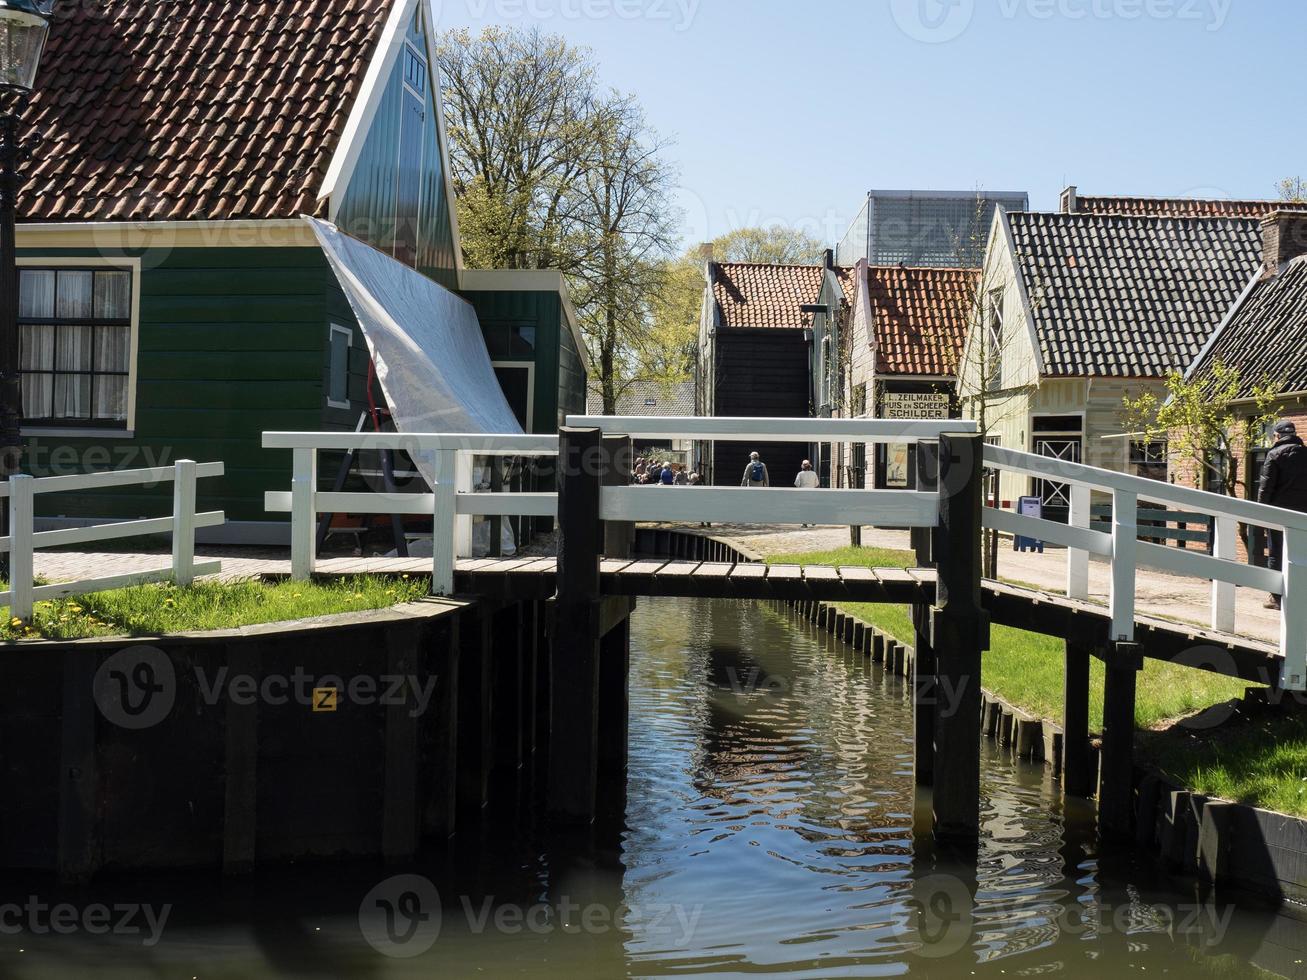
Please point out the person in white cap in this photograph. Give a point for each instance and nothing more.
(755, 474)
(807, 479)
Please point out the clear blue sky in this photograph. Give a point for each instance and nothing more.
(790, 110)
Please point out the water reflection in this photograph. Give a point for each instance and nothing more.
(767, 828)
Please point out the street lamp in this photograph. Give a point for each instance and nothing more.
(24, 27)
(23, 31)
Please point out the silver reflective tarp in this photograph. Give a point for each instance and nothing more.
(425, 341)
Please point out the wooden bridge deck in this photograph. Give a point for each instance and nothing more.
(1008, 605)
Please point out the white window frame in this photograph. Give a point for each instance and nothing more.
(130, 264)
(333, 329)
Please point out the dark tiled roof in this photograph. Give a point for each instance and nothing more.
(1266, 335)
(1130, 297)
(757, 295)
(668, 400)
(920, 317)
(196, 109)
(1175, 207)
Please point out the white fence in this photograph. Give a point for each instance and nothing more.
(452, 504)
(24, 539)
(1126, 553)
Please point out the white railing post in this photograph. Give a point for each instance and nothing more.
(463, 523)
(1125, 546)
(21, 520)
(1077, 561)
(443, 518)
(1226, 532)
(183, 522)
(1293, 611)
(303, 513)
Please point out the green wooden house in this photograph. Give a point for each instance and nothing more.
(174, 304)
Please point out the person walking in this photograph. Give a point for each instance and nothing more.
(755, 474)
(667, 476)
(807, 479)
(682, 478)
(1283, 484)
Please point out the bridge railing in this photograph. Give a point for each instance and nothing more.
(1126, 553)
(773, 505)
(451, 504)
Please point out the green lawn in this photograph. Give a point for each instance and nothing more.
(1025, 668)
(1259, 758)
(155, 609)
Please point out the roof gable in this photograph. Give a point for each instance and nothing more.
(1129, 296)
(751, 294)
(920, 317)
(1265, 336)
(197, 110)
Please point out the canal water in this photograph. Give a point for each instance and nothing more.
(767, 828)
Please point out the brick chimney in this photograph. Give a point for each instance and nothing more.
(1069, 203)
(1284, 238)
(828, 258)
(706, 252)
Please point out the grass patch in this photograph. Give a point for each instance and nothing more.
(1025, 668)
(165, 608)
(1258, 757)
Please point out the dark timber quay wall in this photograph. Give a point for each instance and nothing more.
(1222, 844)
(402, 723)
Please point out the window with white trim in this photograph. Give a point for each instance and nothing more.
(338, 366)
(75, 345)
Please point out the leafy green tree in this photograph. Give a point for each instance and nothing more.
(774, 244)
(1293, 190)
(1200, 422)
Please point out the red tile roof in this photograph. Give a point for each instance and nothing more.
(920, 317)
(198, 109)
(752, 294)
(1175, 207)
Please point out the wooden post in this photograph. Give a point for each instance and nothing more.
(1077, 562)
(1224, 545)
(1125, 546)
(475, 703)
(183, 522)
(21, 569)
(924, 666)
(400, 807)
(959, 634)
(574, 647)
(79, 828)
(1116, 783)
(1293, 611)
(496, 521)
(443, 537)
(1076, 779)
(303, 512)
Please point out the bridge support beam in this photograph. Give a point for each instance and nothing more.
(1116, 782)
(960, 632)
(924, 667)
(586, 462)
(1076, 779)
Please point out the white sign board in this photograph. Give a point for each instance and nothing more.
(915, 405)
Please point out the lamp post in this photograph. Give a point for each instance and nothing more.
(24, 27)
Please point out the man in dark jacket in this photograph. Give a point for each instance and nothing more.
(1283, 484)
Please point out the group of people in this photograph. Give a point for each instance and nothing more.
(650, 472)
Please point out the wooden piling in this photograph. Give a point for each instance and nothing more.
(924, 687)
(1075, 721)
(574, 642)
(959, 634)
(1116, 779)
